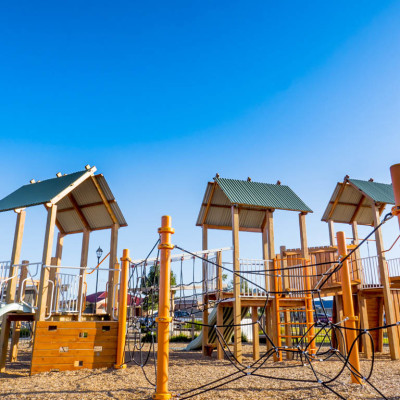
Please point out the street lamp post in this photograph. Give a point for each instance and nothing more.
(99, 252)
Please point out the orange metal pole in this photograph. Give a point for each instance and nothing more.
(164, 318)
(395, 173)
(348, 309)
(122, 310)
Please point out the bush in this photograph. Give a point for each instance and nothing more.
(181, 338)
(148, 338)
(244, 338)
(188, 325)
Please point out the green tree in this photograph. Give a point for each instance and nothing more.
(150, 286)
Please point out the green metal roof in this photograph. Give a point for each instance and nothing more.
(261, 195)
(379, 192)
(38, 193)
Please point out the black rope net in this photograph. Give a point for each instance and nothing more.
(306, 344)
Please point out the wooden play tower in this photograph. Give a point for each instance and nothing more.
(65, 337)
(375, 280)
(246, 206)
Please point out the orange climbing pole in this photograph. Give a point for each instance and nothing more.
(164, 318)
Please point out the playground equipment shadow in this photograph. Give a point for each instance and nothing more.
(189, 370)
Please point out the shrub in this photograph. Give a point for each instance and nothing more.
(181, 338)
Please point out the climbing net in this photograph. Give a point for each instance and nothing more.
(203, 282)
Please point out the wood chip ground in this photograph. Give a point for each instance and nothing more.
(189, 370)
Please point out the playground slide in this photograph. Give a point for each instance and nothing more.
(212, 335)
(15, 307)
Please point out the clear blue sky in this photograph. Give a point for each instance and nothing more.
(162, 95)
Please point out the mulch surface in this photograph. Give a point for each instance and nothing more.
(190, 370)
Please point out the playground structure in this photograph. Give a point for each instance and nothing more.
(279, 291)
(63, 335)
(249, 206)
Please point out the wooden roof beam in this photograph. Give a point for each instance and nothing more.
(104, 199)
(357, 210)
(79, 211)
(229, 228)
(335, 203)
(98, 203)
(207, 205)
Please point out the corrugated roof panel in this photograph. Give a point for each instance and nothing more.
(38, 193)
(86, 193)
(365, 216)
(70, 221)
(349, 195)
(379, 192)
(118, 213)
(343, 213)
(65, 202)
(262, 195)
(251, 219)
(97, 216)
(219, 217)
(104, 187)
(219, 197)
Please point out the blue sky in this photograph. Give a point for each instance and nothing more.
(162, 95)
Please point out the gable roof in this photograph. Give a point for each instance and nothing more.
(84, 201)
(253, 199)
(259, 194)
(379, 192)
(353, 200)
(40, 192)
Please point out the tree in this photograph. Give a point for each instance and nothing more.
(150, 285)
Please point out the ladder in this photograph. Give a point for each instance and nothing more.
(294, 313)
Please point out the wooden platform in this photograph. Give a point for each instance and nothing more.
(72, 345)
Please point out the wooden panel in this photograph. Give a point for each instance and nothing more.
(72, 345)
(64, 367)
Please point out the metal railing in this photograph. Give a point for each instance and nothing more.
(369, 270)
(253, 275)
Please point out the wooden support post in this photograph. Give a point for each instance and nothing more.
(112, 261)
(237, 309)
(387, 295)
(15, 256)
(46, 260)
(348, 307)
(270, 315)
(285, 280)
(265, 250)
(17, 324)
(265, 255)
(11, 287)
(204, 288)
(122, 310)
(356, 272)
(331, 228)
(340, 317)
(220, 323)
(82, 274)
(362, 305)
(5, 334)
(219, 276)
(256, 335)
(52, 278)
